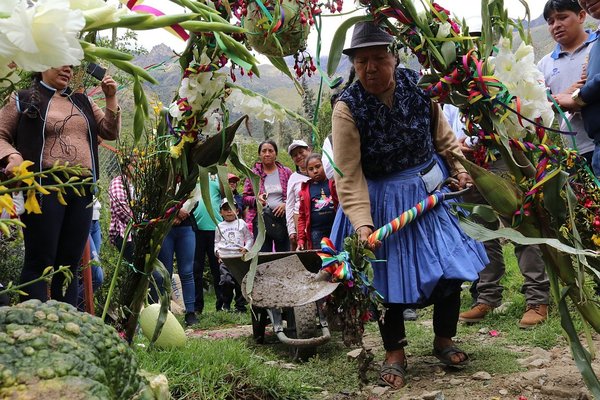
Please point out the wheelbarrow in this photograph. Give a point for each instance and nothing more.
(287, 291)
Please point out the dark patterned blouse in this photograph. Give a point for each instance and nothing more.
(393, 139)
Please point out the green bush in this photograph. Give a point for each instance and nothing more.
(11, 264)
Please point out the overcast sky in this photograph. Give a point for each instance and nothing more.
(461, 8)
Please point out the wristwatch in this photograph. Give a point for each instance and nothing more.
(578, 100)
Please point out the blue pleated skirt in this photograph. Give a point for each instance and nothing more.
(430, 249)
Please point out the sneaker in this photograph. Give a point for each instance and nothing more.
(190, 319)
(534, 314)
(475, 314)
(409, 314)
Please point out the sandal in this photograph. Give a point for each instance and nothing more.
(445, 356)
(395, 369)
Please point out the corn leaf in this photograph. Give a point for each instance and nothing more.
(580, 354)
(483, 234)
(337, 43)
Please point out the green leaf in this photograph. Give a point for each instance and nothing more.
(215, 148)
(339, 38)
(580, 355)
(483, 234)
(205, 192)
(165, 298)
(238, 162)
(484, 212)
(553, 201)
(486, 28)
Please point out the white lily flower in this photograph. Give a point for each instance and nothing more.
(521, 77)
(443, 30)
(253, 105)
(42, 36)
(214, 123)
(97, 12)
(174, 111)
(7, 7)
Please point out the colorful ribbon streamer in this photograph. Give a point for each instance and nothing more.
(406, 217)
(335, 263)
(138, 7)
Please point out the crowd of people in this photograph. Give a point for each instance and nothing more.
(390, 147)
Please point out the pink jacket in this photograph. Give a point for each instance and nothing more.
(249, 198)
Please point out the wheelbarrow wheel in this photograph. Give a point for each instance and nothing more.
(302, 324)
(260, 320)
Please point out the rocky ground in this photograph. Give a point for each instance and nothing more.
(550, 375)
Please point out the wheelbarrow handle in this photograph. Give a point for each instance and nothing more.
(415, 212)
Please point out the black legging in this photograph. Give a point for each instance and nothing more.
(205, 247)
(446, 307)
(280, 245)
(56, 237)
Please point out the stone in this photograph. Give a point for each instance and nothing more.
(534, 375)
(353, 355)
(481, 376)
(380, 390)
(503, 392)
(456, 381)
(436, 395)
(503, 307)
(537, 363)
(483, 331)
(560, 392)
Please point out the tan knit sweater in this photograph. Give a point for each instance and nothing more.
(66, 131)
(352, 187)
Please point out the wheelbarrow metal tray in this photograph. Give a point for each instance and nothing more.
(239, 267)
(283, 280)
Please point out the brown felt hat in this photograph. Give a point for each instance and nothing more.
(367, 34)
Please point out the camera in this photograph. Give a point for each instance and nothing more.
(96, 71)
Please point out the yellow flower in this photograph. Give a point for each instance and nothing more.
(6, 202)
(596, 240)
(176, 150)
(158, 107)
(31, 204)
(23, 174)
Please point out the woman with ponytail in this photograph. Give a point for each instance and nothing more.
(45, 124)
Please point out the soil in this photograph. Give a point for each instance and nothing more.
(549, 375)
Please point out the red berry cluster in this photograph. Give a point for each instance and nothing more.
(334, 6)
(242, 72)
(239, 8)
(303, 63)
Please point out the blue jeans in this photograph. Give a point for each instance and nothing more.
(316, 235)
(181, 242)
(596, 160)
(97, 271)
(96, 234)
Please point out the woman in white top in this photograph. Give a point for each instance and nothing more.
(298, 150)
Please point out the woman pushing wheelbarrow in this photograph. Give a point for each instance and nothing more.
(393, 147)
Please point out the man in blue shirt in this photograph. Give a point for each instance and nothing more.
(564, 66)
(587, 97)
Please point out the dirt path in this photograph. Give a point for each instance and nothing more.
(550, 375)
